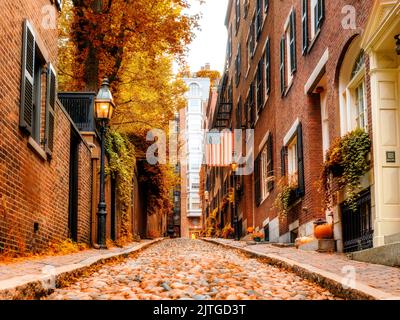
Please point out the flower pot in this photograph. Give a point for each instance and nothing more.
(323, 231)
(257, 239)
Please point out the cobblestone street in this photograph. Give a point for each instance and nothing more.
(187, 269)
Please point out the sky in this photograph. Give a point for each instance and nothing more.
(210, 42)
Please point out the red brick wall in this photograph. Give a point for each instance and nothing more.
(280, 113)
(33, 189)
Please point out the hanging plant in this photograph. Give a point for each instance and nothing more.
(346, 162)
(285, 198)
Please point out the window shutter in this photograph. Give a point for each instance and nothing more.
(237, 15)
(293, 42)
(283, 161)
(270, 155)
(268, 67)
(300, 159)
(320, 13)
(304, 22)
(257, 181)
(282, 66)
(51, 92)
(27, 78)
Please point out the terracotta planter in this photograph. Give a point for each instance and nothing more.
(323, 231)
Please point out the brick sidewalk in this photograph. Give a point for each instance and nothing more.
(383, 278)
(18, 277)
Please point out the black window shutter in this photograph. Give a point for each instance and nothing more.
(257, 181)
(282, 66)
(59, 4)
(300, 159)
(283, 161)
(304, 22)
(320, 13)
(51, 93)
(270, 156)
(293, 63)
(268, 67)
(27, 78)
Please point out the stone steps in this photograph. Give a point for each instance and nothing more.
(388, 255)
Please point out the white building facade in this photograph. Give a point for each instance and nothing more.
(192, 153)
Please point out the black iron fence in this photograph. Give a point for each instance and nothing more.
(357, 225)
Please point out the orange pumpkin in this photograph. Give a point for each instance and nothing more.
(323, 231)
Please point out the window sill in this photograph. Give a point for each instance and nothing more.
(313, 41)
(265, 199)
(37, 148)
(288, 88)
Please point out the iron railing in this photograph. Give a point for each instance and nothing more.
(357, 225)
(80, 107)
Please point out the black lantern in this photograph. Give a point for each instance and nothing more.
(104, 107)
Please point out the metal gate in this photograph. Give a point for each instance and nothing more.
(357, 225)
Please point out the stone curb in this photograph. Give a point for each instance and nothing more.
(34, 286)
(326, 279)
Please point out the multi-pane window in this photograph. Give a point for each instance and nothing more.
(260, 87)
(266, 169)
(194, 90)
(295, 163)
(237, 15)
(238, 65)
(267, 67)
(360, 106)
(259, 18)
(288, 63)
(313, 14)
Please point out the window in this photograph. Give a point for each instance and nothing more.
(259, 19)
(239, 114)
(313, 14)
(237, 15)
(195, 106)
(252, 39)
(293, 149)
(229, 45)
(194, 90)
(267, 68)
(238, 65)
(252, 106)
(38, 92)
(292, 162)
(246, 8)
(353, 104)
(266, 5)
(288, 63)
(59, 4)
(266, 169)
(260, 87)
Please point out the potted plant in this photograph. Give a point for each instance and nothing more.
(257, 236)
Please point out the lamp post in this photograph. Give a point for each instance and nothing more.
(104, 107)
(234, 167)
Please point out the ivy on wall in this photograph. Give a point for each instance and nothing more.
(346, 162)
(121, 167)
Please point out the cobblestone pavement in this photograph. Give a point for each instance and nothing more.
(191, 269)
(35, 265)
(376, 276)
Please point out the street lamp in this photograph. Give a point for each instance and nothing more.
(104, 107)
(234, 167)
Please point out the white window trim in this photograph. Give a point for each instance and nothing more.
(291, 133)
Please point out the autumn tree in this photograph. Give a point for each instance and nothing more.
(106, 32)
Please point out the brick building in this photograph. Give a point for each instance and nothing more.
(37, 136)
(299, 74)
(49, 146)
